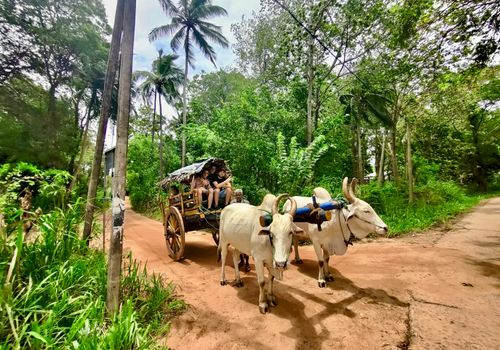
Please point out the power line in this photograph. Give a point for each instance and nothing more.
(315, 37)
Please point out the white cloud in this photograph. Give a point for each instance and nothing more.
(150, 15)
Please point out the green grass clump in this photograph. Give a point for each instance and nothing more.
(436, 202)
(53, 293)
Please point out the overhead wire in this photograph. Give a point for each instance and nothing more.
(315, 37)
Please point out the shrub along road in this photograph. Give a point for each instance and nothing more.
(435, 290)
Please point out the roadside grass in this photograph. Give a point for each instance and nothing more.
(435, 203)
(419, 217)
(54, 291)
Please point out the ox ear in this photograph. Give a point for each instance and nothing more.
(297, 230)
(265, 220)
(265, 231)
(351, 214)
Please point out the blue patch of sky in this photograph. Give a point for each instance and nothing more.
(150, 15)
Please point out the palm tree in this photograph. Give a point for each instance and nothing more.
(162, 81)
(189, 26)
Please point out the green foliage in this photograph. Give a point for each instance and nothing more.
(55, 294)
(48, 188)
(143, 171)
(294, 168)
(211, 91)
(425, 170)
(150, 295)
(23, 126)
(436, 202)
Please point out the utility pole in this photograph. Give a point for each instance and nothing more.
(109, 83)
(125, 80)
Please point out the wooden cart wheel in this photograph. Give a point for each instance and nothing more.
(174, 233)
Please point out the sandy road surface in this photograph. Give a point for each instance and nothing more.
(438, 290)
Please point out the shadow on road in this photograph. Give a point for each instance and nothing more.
(310, 268)
(488, 269)
(303, 325)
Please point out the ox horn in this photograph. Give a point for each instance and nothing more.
(352, 188)
(276, 203)
(346, 192)
(293, 209)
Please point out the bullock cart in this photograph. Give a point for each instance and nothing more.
(182, 210)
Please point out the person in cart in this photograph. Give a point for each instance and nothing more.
(201, 185)
(221, 183)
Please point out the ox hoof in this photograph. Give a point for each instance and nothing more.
(271, 300)
(223, 283)
(299, 261)
(330, 278)
(322, 284)
(263, 308)
(239, 284)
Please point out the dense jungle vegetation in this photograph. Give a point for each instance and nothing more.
(403, 95)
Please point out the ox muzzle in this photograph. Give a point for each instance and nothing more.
(280, 265)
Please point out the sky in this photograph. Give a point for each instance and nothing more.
(150, 15)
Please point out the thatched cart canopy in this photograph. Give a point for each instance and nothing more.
(183, 175)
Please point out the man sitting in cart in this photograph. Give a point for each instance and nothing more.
(221, 184)
(201, 185)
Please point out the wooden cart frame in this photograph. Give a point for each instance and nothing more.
(182, 212)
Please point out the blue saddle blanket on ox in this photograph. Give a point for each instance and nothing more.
(330, 205)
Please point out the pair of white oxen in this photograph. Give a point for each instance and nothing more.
(242, 227)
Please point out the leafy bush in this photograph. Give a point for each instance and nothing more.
(54, 293)
(143, 172)
(425, 170)
(293, 169)
(436, 202)
(48, 188)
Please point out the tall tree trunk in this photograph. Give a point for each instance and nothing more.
(51, 110)
(409, 163)
(310, 81)
(360, 154)
(380, 176)
(161, 138)
(154, 119)
(83, 145)
(184, 103)
(394, 159)
(51, 127)
(392, 141)
(478, 170)
(78, 132)
(103, 122)
(116, 242)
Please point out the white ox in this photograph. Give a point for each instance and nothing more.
(242, 228)
(356, 220)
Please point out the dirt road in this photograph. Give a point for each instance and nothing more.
(438, 290)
